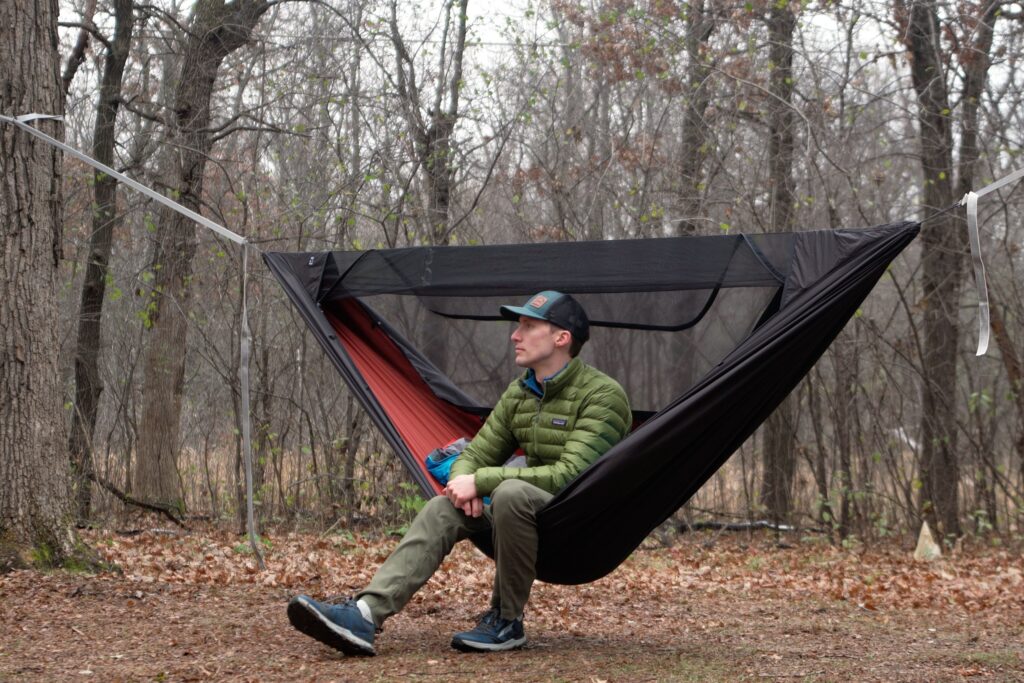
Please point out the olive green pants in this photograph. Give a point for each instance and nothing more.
(511, 520)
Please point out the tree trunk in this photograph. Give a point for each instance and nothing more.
(847, 370)
(693, 146)
(819, 466)
(88, 385)
(35, 496)
(845, 358)
(692, 151)
(943, 244)
(217, 29)
(942, 258)
(975, 65)
(78, 52)
(433, 136)
(350, 452)
(262, 423)
(779, 452)
(433, 143)
(1014, 371)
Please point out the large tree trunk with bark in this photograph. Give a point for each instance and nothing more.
(693, 149)
(34, 488)
(217, 29)
(942, 267)
(944, 243)
(779, 452)
(88, 385)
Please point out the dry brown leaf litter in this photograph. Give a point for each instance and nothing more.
(195, 607)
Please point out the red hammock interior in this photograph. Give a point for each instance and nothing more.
(424, 421)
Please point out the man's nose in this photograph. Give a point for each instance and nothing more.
(515, 335)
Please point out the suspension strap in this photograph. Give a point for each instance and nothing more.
(970, 201)
(23, 122)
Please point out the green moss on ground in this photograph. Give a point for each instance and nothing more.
(11, 556)
(82, 559)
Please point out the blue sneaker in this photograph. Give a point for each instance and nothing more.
(492, 634)
(342, 627)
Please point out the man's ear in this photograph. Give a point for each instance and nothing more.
(564, 338)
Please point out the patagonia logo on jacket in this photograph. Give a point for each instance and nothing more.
(559, 421)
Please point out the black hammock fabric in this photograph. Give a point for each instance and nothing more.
(739, 318)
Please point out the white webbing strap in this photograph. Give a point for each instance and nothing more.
(22, 123)
(246, 337)
(1005, 180)
(970, 200)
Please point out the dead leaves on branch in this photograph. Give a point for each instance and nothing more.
(974, 581)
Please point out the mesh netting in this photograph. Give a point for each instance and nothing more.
(663, 312)
(656, 344)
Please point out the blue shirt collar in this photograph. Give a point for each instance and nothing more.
(535, 386)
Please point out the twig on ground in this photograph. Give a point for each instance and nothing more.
(165, 510)
(799, 675)
(331, 527)
(683, 527)
(157, 531)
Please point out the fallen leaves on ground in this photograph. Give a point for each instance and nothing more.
(195, 606)
(985, 579)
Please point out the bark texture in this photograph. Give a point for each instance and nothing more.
(700, 24)
(217, 29)
(779, 453)
(943, 265)
(34, 491)
(944, 241)
(88, 385)
(1014, 369)
(433, 135)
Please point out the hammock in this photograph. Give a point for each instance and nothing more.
(707, 334)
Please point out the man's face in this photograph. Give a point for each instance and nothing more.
(534, 341)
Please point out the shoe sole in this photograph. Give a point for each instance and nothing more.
(308, 620)
(472, 646)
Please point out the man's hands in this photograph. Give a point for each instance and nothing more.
(461, 491)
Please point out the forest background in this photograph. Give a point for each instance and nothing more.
(312, 125)
(355, 125)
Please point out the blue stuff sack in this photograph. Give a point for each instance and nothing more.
(439, 461)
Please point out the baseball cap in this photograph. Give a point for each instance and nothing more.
(557, 308)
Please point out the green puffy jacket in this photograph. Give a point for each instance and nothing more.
(582, 414)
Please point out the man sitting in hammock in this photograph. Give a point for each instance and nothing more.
(564, 414)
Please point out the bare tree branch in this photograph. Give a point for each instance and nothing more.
(77, 56)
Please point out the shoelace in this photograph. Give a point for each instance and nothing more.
(341, 600)
(489, 617)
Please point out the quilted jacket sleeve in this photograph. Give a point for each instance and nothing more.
(603, 420)
(493, 445)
